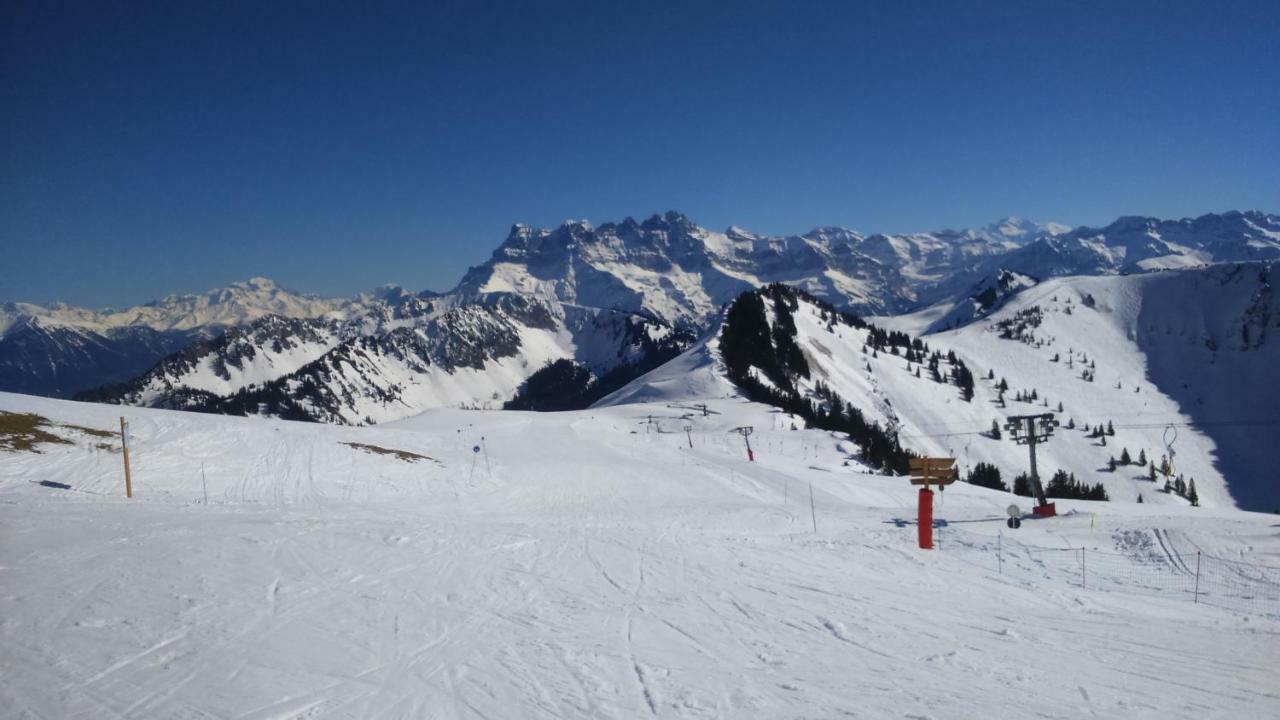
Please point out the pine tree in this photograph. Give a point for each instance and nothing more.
(1022, 485)
(991, 374)
(1153, 472)
(1111, 464)
(1192, 495)
(995, 430)
(1139, 497)
(988, 476)
(1071, 424)
(1059, 406)
(1124, 457)
(1110, 429)
(1142, 457)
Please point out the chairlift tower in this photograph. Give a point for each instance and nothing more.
(1030, 430)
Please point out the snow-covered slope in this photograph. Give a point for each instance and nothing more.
(60, 350)
(1193, 349)
(585, 565)
(375, 367)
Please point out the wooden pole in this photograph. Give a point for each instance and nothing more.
(124, 444)
(812, 513)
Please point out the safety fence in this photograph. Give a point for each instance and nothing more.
(1198, 578)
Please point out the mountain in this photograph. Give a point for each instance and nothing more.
(1139, 244)
(672, 268)
(578, 304)
(1178, 363)
(394, 360)
(58, 350)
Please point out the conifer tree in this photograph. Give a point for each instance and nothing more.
(1192, 495)
(1124, 457)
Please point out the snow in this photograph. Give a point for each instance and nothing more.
(586, 564)
(1151, 334)
(239, 304)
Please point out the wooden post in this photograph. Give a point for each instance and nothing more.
(812, 513)
(124, 444)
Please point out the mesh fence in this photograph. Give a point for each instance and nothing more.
(1239, 586)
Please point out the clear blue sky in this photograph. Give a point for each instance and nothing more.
(148, 149)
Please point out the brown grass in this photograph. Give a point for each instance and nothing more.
(404, 455)
(23, 431)
(91, 431)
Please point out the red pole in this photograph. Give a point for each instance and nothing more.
(924, 519)
(751, 457)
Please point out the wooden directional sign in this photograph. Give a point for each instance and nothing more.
(920, 464)
(933, 471)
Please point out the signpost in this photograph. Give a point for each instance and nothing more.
(1015, 517)
(124, 445)
(928, 471)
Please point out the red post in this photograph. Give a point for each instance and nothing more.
(751, 457)
(924, 519)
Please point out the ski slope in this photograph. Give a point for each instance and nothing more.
(1194, 349)
(587, 564)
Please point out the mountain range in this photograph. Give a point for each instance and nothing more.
(621, 295)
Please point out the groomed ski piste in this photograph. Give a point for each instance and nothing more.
(591, 564)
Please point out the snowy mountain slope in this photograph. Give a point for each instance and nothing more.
(238, 304)
(60, 350)
(671, 267)
(587, 564)
(1137, 244)
(1175, 344)
(394, 362)
(59, 361)
(1163, 348)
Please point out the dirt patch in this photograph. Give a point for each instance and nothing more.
(24, 431)
(404, 455)
(94, 432)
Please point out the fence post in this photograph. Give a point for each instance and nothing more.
(1197, 595)
(1083, 572)
(812, 513)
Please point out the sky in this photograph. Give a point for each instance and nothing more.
(154, 148)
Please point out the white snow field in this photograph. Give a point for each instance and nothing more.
(586, 565)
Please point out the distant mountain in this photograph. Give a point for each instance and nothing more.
(609, 300)
(1139, 244)
(672, 268)
(388, 362)
(58, 350)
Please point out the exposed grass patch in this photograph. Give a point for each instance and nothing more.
(91, 431)
(404, 455)
(24, 431)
